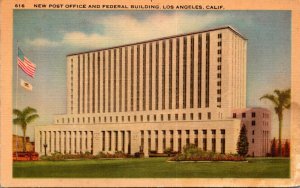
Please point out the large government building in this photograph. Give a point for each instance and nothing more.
(157, 94)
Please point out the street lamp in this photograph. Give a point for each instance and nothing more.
(45, 146)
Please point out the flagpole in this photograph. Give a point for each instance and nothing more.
(16, 98)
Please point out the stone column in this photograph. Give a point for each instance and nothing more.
(209, 141)
(126, 142)
(175, 140)
(48, 142)
(106, 141)
(152, 140)
(146, 149)
(113, 141)
(160, 142)
(77, 141)
(84, 141)
(168, 144)
(192, 137)
(97, 140)
(63, 142)
(72, 143)
(200, 139)
(68, 142)
(183, 139)
(119, 140)
(218, 141)
(52, 142)
(57, 141)
(89, 141)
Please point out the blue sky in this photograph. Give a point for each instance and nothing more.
(47, 36)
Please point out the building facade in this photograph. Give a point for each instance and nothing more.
(153, 95)
(258, 125)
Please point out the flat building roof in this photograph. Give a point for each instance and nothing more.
(162, 38)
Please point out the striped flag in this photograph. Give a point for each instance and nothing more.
(25, 64)
(26, 85)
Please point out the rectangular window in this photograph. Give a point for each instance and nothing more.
(222, 145)
(170, 72)
(142, 118)
(253, 132)
(169, 117)
(220, 35)
(132, 78)
(150, 77)
(83, 84)
(219, 75)
(253, 123)
(126, 78)
(208, 115)
(199, 116)
(144, 77)
(192, 116)
(115, 80)
(207, 70)
(213, 145)
(234, 115)
(183, 117)
(244, 115)
(184, 71)
(88, 84)
(138, 79)
(219, 99)
(199, 69)
(253, 114)
(98, 73)
(161, 117)
(120, 79)
(148, 117)
(219, 91)
(163, 74)
(156, 74)
(176, 116)
(177, 73)
(109, 78)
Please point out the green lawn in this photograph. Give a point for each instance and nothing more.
(153, 168)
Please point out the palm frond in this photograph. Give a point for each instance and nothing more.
(272, 98)
(17, 112)
(29, 110)
(17, 121)
(31, 118)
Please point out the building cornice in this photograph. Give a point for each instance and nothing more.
(162, 38)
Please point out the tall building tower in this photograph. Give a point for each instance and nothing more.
(155, 94)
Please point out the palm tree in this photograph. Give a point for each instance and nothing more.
(281, 101)
(23, 118)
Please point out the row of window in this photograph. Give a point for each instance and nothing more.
(253, 115)
(134, 118)
(219, 68)
(111, 56)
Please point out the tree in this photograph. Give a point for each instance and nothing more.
(287, 149)
(242, 145)
(281, 101)
(273, 148)
(23, 118)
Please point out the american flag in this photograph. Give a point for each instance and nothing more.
(25, 64)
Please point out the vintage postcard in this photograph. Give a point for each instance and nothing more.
(149, 93)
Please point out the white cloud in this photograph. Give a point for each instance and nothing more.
(121, 29)
(41, 42)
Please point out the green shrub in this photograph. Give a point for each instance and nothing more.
(192, 153)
